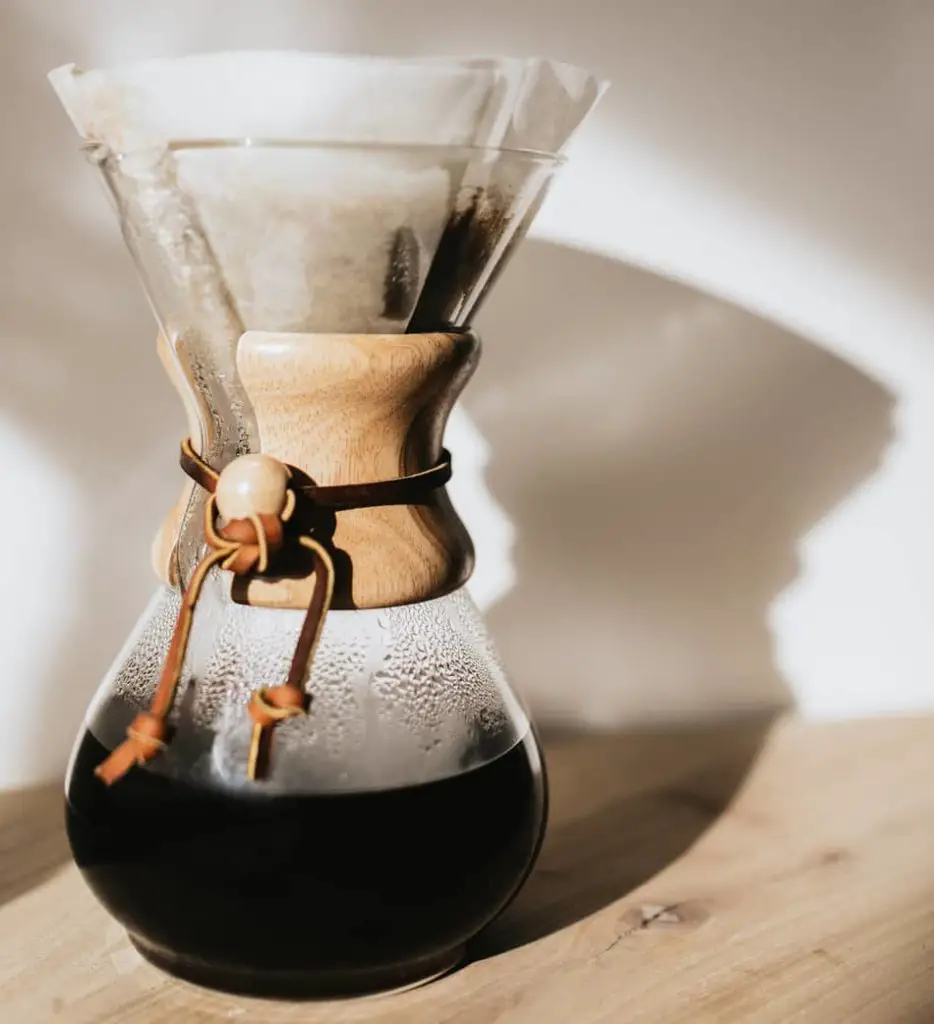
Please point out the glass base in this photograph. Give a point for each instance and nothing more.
(310, 984)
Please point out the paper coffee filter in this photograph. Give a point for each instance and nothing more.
(530, 104)
(540, 105)
(312, 249)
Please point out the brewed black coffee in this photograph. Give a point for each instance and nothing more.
(315, 894)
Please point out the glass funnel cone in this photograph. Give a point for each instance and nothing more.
(235, 236)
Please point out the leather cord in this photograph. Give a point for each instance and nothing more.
(245, 547)
(402, 490)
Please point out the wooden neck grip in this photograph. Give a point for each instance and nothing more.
(360, 408)
(350, 409)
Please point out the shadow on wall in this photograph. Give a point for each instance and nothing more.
(661, 454)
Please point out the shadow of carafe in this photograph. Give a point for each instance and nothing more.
(623, 805)
(660, 455)
(32, 838)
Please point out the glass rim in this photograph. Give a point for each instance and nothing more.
(102, 151)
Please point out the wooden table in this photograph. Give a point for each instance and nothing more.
(769, 873)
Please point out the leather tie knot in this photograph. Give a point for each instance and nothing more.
(148, 731)
(145, 738)
(273, 704)
(250, 542)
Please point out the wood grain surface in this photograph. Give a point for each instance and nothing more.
(763, 873)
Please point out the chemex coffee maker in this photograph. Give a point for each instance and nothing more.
(306, 772)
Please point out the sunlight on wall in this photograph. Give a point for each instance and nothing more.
(41, 520)
(486, 520)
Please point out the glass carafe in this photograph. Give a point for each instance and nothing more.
(405, 807)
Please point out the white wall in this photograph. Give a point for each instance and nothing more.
(752, 516)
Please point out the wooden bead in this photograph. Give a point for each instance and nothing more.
(252, 485)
